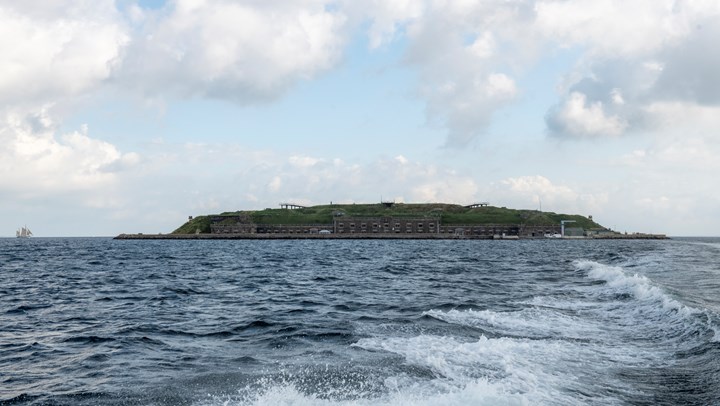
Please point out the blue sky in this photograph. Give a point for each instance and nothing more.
(128, 116)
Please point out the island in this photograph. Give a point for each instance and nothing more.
(390, 220)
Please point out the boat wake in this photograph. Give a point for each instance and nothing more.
(552, 350)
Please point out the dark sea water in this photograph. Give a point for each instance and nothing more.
(326, 322)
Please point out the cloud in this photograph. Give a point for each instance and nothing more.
(612, 27)
(538, 186)
(275, 184)
(55, 51)
(455, 189)
(636, 55)
(240, 51)
(387, 17)
(262, 179)
(577, 117)
(302, 161)
(36, 162)
(466, 73)
(690, 72)
(533, 191)
(471, 57)
(55, 56)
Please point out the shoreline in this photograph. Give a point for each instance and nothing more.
(370, 236)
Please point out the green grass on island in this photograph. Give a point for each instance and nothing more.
(449, 214)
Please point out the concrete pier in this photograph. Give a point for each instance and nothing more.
(295, 236)
(367, 236)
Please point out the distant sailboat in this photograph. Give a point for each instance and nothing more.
(23, 232)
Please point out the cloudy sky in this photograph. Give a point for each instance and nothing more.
(129, 115)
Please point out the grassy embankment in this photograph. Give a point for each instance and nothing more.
(449, 214)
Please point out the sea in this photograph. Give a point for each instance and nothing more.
(97, 321)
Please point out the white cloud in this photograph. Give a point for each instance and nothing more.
(685, 118)
(658, 204)
(246, 52)
(454, 189)
(484, 45)
(579, 118)
(275, 184)
(471, 54)
(56, 51)
(386, 16)
(456, 46)
(535, 191)
(263, 179)
(534, 186)
(36, 162)
(302, 161)
(637, 54)
(612, 27)
(616, 95)
(464, 84)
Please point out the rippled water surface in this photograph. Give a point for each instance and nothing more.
(99, 321)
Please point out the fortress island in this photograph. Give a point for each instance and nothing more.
(390, 220)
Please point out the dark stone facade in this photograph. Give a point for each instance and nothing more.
(346, 225)
(538, 231)
(385, 225)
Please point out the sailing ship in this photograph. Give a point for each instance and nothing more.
(23, 232)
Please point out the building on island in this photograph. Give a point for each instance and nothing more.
(385, 225)
(397, 226)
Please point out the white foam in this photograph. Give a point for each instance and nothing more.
(486, 371)
(287, 395)
(639, 286)
(648, 315)
(716, 331)
(529, 322)
(558, 347)
(479, 393)
(515, 371)
(703, 243)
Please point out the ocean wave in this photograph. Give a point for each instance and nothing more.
(509, 370)
(639, 286)
(535, 322)
(439, 371)
(478, 393)
(649, 312)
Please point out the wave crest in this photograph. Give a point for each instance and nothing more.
(638, 286)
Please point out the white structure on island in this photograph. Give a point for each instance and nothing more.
(562, 226)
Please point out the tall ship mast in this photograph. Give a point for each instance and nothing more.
(23, 232)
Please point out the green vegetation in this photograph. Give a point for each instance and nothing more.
(201, 223)
(450, 214)
(310, 215)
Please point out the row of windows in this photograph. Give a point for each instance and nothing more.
(385, 225)
(408, 228)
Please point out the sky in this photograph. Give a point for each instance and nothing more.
(129, 116)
